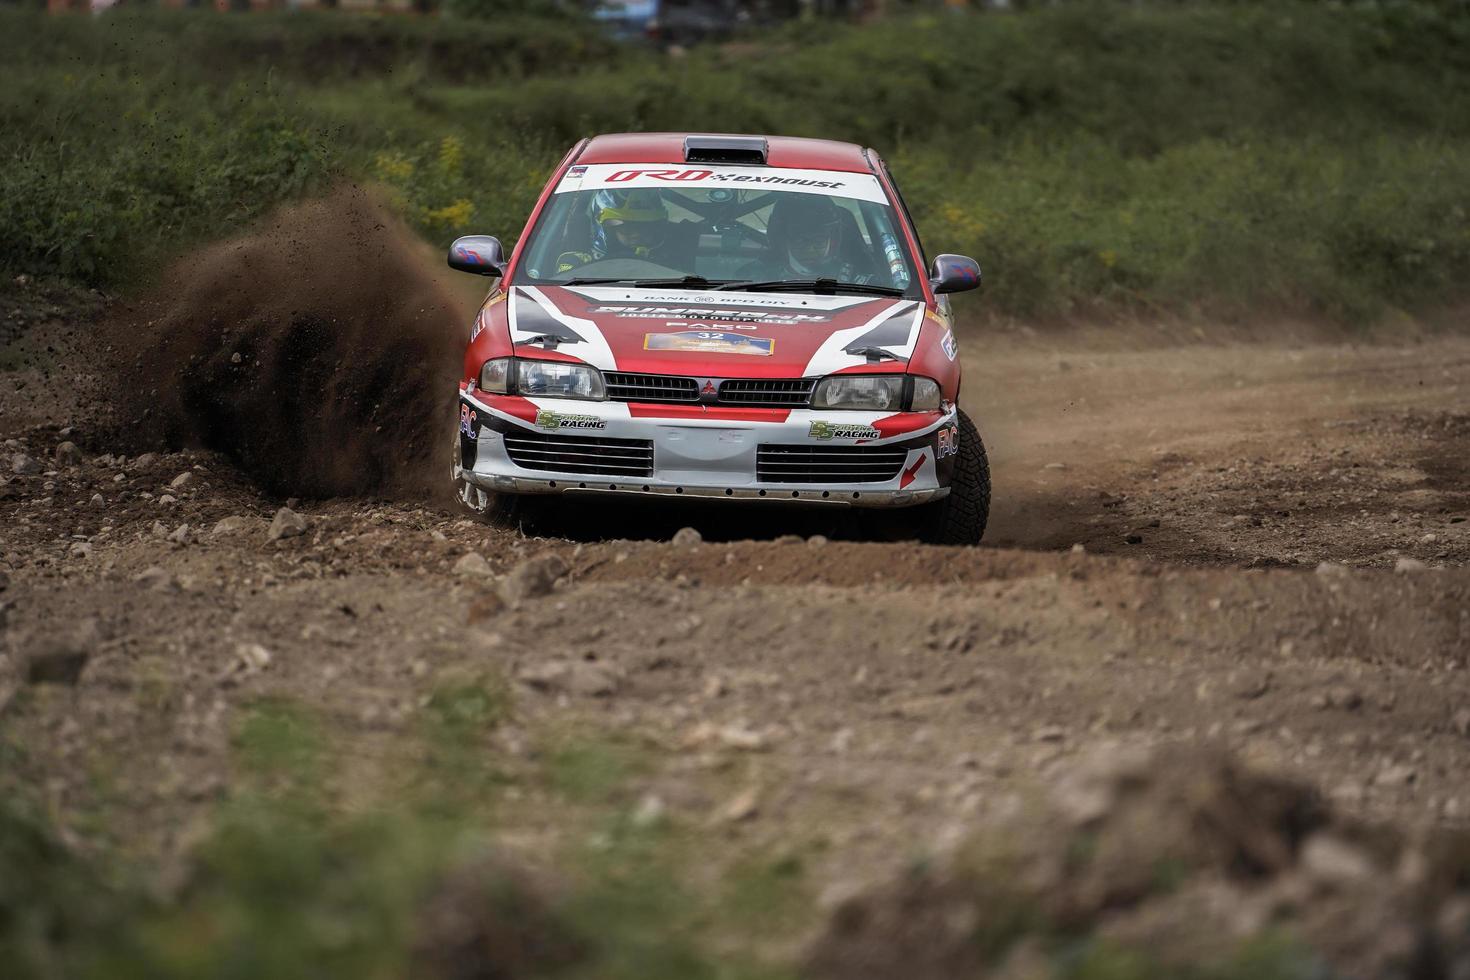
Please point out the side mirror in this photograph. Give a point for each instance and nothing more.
(479, 254)
(954, 273)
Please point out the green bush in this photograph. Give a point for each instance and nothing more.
(1096, 157)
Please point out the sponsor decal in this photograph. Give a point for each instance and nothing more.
(726, 176)
(842, 430)
(779, 317)
(725, 180)
(576, 171)
(951, 347)
(949, 441)
(547, 419)
(709, 342)
(469, 422)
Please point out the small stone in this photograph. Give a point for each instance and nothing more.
(1395, 775)
(745, 739)
(1460, 722)
(1079, 548)
(235, 358)
(687, 537)
(1429, 539)
(160, 529)
(229, 525)
(181, 535)
(60, 664)
(80, 549)
(487, 606)
(532, 578)
(1408, 566)
(743, 806)
(473, 565)
(287, 524)
(67, 454)
(144, 461)
(1249, 685)
(23, 465)
(252, 657)
(817, 540)
(1133, 539)
(97, 500)
(1049, 733)
(785, 539)
(181, 481)
(157, 579)
(1344, 698)
(1055, 466)
(1333, 861)
(591, 680)
(167, 498)
(649, 812)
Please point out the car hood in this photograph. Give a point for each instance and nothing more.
(711, 333)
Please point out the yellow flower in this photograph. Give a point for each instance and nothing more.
(451, 153)
(455, 215)
(1109, 257)
(393, 166)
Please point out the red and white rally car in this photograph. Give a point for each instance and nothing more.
(731, 317)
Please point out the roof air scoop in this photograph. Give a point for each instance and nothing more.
(725, 149)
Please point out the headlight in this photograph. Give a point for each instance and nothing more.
(927, 396)
(874, 392)
(556, 380)
(549, 379)
(495, 375)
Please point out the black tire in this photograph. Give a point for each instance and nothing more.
(959, 518)
(507, 510)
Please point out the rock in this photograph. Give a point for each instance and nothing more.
(67, 454)
(1408, 566)
(1055, 466)
(487, 606)
(741, 807)
(532, 578)
(817, 540)
(252, 657)
(181, 481)
(23, 465)
(80, 549)
(1344, 698)
(1333, 861)
(97, 500)
(167, 498)
(745, 739)
(473, 565)
(1249, 685)
(160, 529)
(157, 579)
(1079, 548)
(1133, 538)
(687, 537)
(1460, 722)
(591, 680)
(1395, 776)
(579, 677)
(783, 539)
(1049, 733)
(145, 461)
(181, 535)
(1087, 791)
(649, 812)
(1429, 539)
(287, 524)
(59, 664)
(229, 525)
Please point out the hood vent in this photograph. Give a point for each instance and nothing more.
(725, 149)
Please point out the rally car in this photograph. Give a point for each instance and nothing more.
(738, 318)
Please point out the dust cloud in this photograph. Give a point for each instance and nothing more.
(318, 352)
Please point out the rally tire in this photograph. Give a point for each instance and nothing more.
(497, 509)
(960, 517)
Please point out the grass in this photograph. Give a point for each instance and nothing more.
(1098, 158)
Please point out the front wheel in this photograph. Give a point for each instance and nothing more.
(507, 510)
(960, 517)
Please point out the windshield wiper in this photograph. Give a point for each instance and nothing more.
(646, 283)
(813, 285)
(589, 281)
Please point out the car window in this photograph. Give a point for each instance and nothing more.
(720, 224)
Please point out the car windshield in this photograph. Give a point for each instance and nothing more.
(628, 223)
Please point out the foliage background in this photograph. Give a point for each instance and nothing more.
(1218, 159)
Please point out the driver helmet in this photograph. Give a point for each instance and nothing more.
(632, 222)
(808, 227)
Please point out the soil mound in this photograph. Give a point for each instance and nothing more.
(318, 351)
(1179, 862)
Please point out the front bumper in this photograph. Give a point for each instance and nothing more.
(510, 444)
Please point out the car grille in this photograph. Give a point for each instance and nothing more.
(778, 392)
(758, 392)
(623, 387)
(580, 454)
(828, 464)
